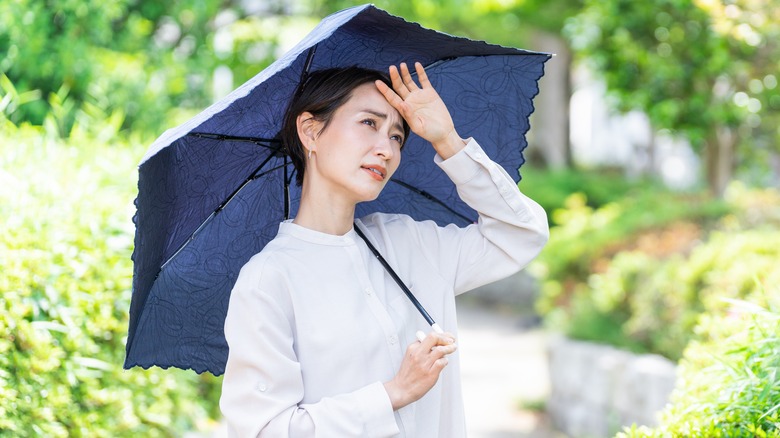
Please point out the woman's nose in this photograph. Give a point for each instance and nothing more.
(384, 148)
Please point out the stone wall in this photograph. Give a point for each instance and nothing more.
(596, 390)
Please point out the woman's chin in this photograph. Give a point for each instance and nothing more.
(369, 196)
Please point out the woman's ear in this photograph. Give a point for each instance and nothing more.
(308, 128)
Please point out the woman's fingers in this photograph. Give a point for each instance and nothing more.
(433, 339)
(398, 84)
(422, 76)
(443, 350)
(407, 78)
(403, 82)
(423, 109)
(436, 346)
(420, 369)
(439, 364)
(391, 96)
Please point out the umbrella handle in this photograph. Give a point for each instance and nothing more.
(400, 283)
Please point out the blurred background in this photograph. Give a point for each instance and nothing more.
(654, 148)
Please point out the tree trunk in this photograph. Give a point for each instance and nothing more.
(651, 154)
(719, 157)
(774, 164)
(549, 136)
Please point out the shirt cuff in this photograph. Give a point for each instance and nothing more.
(377, 410)
(470, 161)
(464, 165)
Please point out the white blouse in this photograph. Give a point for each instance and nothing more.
(315, 325)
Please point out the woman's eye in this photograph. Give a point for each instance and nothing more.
(369, 122)
(398, 138)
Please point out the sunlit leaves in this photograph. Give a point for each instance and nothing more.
(729, 379)
(638, 272)
(66, 275)
(694, 66)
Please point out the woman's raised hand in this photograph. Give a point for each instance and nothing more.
(420, 368)
(422, 108)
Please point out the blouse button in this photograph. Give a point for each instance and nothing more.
(368, 291)
(261, 387)
(392, 339)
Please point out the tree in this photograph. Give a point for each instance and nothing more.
(701, 68)
(140, 58)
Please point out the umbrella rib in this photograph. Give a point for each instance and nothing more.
(270, 143)
(286, 191)
(428, 196)
(307, 65)
(252, 176)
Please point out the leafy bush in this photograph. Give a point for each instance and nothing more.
(597, 186)
(66, 275)
(729, 381)
(654, 304)
(114, 55)
(639, 277)
(588, 237)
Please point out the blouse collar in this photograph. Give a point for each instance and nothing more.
(309, 235)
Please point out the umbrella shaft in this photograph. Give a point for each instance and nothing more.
(398, 280)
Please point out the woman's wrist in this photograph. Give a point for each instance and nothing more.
(450, 145)
(396, 395)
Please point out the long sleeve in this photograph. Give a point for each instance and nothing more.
(508, 220)
(263, 387)
(512, 229)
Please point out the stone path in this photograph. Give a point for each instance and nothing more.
(504, 373)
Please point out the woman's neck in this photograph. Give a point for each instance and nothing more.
(320, 213)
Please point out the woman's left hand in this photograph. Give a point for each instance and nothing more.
(422, 108)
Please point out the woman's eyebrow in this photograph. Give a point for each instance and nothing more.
(383, 116)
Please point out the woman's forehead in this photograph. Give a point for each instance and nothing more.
(367, 97)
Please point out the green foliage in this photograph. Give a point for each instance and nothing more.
(506, 22)
(65, 258)
(660, 57)
(142, 58)
(639, 277)
(598, 187)
(698, 68)
(586, 237)
(729, 380)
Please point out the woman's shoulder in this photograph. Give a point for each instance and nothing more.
(380, 220)
(397, 225)
(270, 251)
(267, 266)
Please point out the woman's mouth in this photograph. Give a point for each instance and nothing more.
(376, 172)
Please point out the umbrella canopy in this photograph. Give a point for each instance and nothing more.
(212, 191)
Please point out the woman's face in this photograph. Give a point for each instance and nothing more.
(360, 149)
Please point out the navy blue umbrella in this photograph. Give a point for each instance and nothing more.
(212, 191)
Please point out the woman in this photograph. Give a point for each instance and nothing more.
(322, 341)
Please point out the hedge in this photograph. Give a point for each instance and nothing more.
(729, 380)
(66, 274)
(637, 275)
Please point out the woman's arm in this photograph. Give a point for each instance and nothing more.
(512, 228)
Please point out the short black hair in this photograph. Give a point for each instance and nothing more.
(321, 94)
